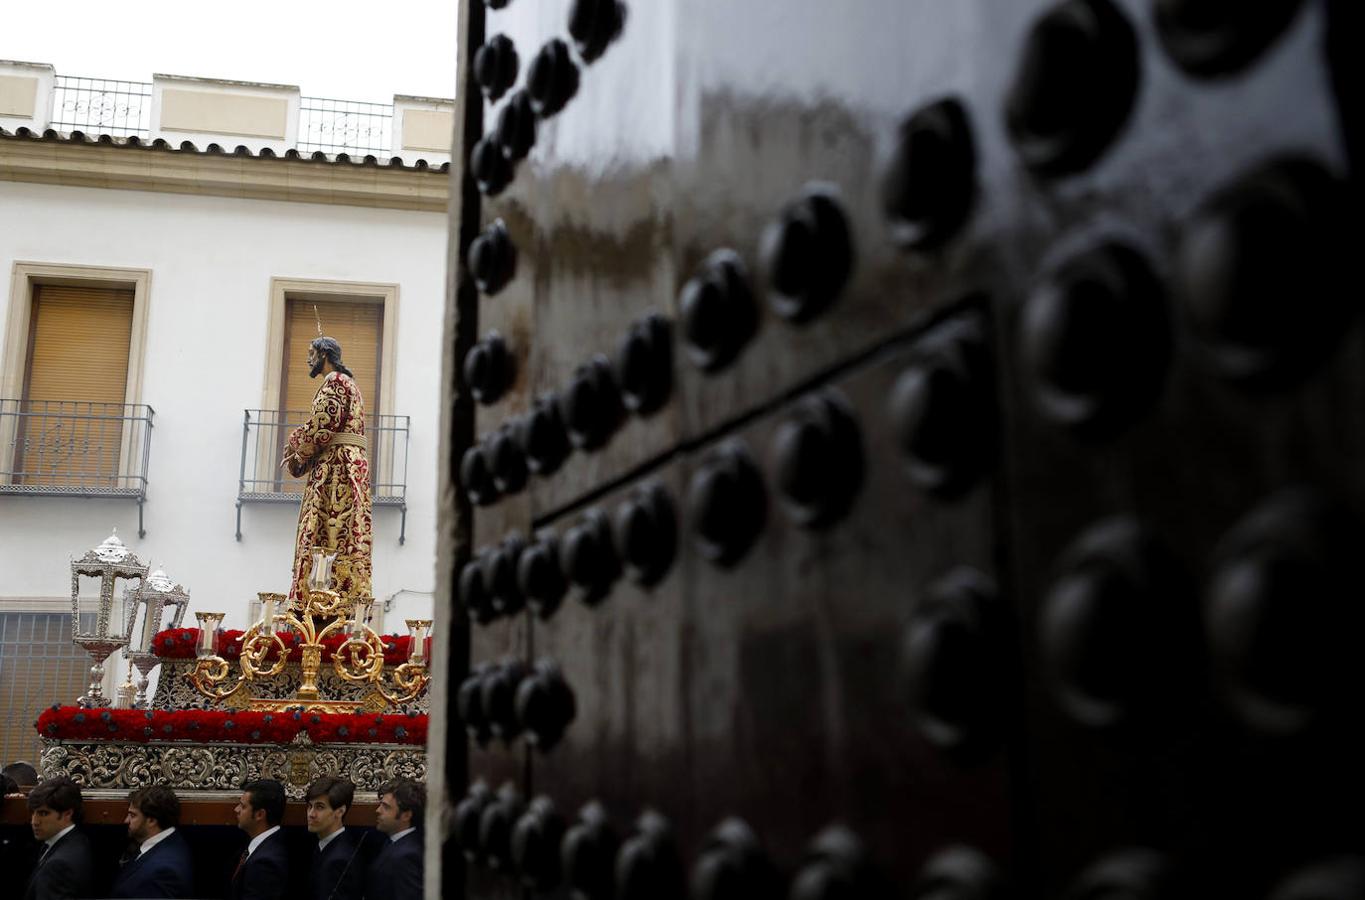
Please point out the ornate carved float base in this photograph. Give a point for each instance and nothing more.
(111, 769)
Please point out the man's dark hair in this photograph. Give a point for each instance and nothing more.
(158, 802)
(267, 794)
(338, 791)
(7, 785)
(22, 772)
(329, 348)
(408, 795)
(58, 795)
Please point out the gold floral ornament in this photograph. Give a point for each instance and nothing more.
(318, 614)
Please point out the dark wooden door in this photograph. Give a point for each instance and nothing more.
(978, 509)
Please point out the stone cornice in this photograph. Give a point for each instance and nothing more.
(105, 165)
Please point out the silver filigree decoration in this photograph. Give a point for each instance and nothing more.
(112, 550)
(224, 767)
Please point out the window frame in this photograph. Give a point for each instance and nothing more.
(27, 276)
(281, 290)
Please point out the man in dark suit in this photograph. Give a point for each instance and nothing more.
(263, 870)
(338, 871)
(396, 873)
(161, 864)
(66, 865)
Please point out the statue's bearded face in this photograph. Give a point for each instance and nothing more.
(315, 361)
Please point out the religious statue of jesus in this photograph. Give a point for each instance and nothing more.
(331, 450)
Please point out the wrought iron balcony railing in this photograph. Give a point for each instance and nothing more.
(102, 106)
(264, 433)
(124, 108)
(345, 126)
(75, 448)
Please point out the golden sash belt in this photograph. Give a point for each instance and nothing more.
(346, 439)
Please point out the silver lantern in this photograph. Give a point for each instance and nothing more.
(147, 606)
(108, 562)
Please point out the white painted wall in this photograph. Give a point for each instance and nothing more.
(212, 260)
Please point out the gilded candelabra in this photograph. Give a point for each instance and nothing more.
(317, 615)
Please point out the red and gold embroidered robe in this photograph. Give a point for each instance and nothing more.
(335, 511)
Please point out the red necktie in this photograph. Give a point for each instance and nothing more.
(241, 862)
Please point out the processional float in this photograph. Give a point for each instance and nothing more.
(309, 689)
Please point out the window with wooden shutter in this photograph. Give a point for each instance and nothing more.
(357, 325)
(71, 429)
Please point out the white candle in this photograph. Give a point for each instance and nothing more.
(417, 630)
(208, 626)
(321, 577)
(148, 627)
(268, 615)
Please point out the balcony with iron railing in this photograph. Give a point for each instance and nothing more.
(75, 448)
(262, 480)
(124, 109)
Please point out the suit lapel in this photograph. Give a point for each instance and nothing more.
(261, 847)
(331, 849)
(384, 850)
(133, 863)
(382, 856)
(51, 851)
(126, 870)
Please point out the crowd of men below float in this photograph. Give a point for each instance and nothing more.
(158, 861)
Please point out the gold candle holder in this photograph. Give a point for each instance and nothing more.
(315, 616)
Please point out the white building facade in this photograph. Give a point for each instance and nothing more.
(217, 243)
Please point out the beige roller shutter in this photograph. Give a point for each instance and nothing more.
(74, 385)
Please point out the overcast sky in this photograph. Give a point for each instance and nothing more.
(340, 49)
